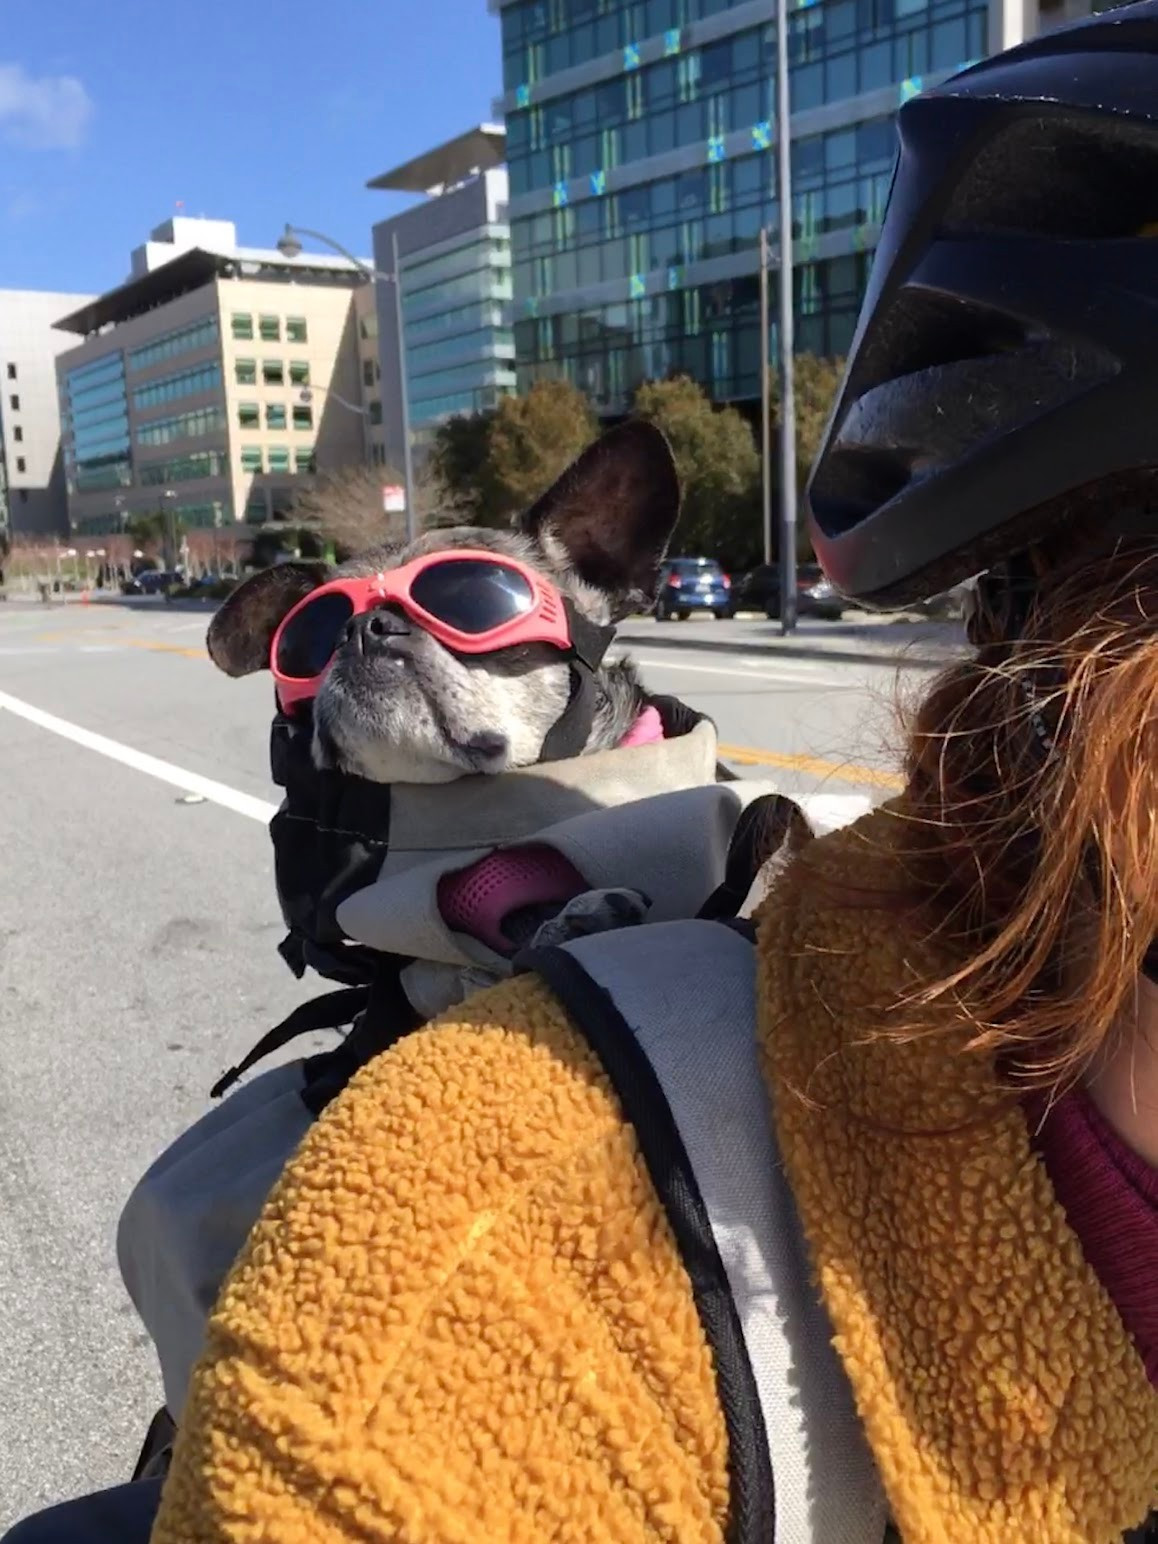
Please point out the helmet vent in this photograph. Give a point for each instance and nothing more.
(1082, 177)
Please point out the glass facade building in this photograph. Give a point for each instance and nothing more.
(459, 349)
(641, 145)
(454, 262)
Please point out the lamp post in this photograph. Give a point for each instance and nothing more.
(289, 245)
(786, 350)
(169, 516)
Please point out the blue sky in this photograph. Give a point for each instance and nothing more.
(112, 111)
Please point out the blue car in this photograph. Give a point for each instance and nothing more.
(692, 584)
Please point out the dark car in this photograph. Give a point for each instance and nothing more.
(815, 596)
(692, 584)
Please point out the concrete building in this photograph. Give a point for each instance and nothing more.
(455, 262)
(641, 138)
(32, 488)
(210, 381)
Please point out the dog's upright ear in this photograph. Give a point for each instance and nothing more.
(241, 632)
(612, 512)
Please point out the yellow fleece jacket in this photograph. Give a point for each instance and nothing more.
(463, 1317)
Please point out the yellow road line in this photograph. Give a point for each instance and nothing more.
(164, 648)
(867, 777)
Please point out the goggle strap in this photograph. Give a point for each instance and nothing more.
(569, 734)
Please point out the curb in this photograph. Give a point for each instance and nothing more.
(908, 656)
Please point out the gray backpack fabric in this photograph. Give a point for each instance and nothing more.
(670, 1011)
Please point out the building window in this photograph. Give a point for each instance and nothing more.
(279, 458)
(242, 325)
(304, 459)
(245, 372)
(295, 329)
(189, 383)
(199, 463)
(275, 415)
(197, 335)
(304, 417)
(367, 372)
(162, 431)
(248, 415)
(300, 372)
(270, 327)
(14, 403)
(11, 372)
(251, 458)
(20, 463)
(18, 434)
(375, 411)
(273, 372)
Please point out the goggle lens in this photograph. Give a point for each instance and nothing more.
(471, 595)
(309, 639)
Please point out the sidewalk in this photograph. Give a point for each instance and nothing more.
(859, 637)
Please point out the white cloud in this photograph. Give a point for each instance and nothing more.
(46, 112)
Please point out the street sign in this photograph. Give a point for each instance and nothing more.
(393, 499)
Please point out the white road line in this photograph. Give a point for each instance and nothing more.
(750, 668)
(824, 810)
(152, 766)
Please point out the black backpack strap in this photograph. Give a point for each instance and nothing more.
(328, 1012)
(764, 827)
(387, 1016)
(595, 1014)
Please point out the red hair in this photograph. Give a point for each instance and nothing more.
(1032, 788)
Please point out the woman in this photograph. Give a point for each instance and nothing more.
(477, 1306)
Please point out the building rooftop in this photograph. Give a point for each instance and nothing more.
(475, 151)
(189, 271)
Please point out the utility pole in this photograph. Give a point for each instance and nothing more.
(765, 400)
(403, 389)
(787, 344)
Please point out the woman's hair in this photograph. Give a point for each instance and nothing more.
(1032, 785)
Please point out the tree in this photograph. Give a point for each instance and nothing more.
(157, 531)
(344, 507)
(459, 460)
(719, 469)
(492, 465)
(531, 440)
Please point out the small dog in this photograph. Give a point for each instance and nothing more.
(397, 705)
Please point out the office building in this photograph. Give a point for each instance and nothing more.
(455, 263)
(210, 382)
(33, 500)
(641, 145)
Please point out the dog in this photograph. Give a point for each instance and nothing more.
(396, 705)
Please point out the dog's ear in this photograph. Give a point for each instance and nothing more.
(241, 632)
(613, 511)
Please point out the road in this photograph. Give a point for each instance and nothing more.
(137, 958)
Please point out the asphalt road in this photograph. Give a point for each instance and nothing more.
(137, 958)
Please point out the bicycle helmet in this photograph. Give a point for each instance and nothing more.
(1004, 374)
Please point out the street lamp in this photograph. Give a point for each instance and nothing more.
(306, 396)
(786, 352)
(289, 245)
(169, 515)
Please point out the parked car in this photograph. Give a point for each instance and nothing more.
(692, 584)
(815, 596)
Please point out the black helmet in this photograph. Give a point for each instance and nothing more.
(1004, 373)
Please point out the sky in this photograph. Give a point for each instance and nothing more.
(117, 114)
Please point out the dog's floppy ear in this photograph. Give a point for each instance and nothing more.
(613, 511)
(241, 632)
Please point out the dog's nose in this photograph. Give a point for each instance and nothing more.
(370, 631)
